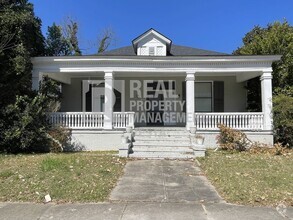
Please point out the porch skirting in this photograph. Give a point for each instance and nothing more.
(260, 136)
(94, 140)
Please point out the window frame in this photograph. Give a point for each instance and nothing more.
(211, 97)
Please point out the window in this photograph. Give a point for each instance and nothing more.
(151, 51)
(203, 97)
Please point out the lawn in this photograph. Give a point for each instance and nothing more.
(254, 179)
(67, 177)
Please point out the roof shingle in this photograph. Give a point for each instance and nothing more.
(176, 50)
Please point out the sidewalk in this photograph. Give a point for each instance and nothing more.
(138, 210)
(151, 189)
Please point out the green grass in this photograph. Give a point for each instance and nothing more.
(255, 179)
(67, 177)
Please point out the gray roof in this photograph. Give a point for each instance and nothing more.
(176, 50)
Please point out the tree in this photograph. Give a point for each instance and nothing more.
(56, 43)
(283, 119)
(62, 39)
(25, 126)
(21, 39)
(105, 39)
(70, 30)
(276, 38)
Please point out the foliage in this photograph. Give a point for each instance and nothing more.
(276, 149)
(70, 31)
(25, 125)
(231, 139)
(56, 43)
(105, 39)
(276, 39)
(283, 119)
(61, 138)
(25, 128)
(62, 40)
(21, 39)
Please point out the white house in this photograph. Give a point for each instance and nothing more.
(154, 85)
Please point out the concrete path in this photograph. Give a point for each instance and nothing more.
(160, 189)
(164, 181)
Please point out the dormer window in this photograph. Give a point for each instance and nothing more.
(152, 43)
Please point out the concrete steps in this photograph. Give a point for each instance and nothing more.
(164, 142)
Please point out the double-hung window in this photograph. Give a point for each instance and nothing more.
(203, 96)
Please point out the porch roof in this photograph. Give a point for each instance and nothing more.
(63, 68)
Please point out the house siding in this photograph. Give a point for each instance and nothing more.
(234, 93)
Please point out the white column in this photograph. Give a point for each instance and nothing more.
(37, 77)
(108, 113)
(189, 99)
(266, 99)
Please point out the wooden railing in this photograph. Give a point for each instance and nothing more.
(123, 119)
(90, 120)
(79, 120)
(242, 121)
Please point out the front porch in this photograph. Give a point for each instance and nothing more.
(102, 96)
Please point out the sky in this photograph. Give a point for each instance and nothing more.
(217, 25)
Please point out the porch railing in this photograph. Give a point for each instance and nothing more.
(90, 120)
(123, 119)
(242, 121)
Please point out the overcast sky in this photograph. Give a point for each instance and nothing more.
(217, 25)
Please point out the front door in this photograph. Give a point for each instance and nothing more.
(154, 114)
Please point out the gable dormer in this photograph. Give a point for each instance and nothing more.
(152, 43)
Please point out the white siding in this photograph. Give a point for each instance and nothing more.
(160, 48)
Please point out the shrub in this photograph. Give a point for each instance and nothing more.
(24, 126)
(60, 138)
(231, 139)
(283, 119)
(276, 149)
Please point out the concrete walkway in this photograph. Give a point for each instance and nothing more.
(160, 189)
(164, 181)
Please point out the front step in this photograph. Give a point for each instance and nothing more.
(162, 133)
(161, 155)
(164, 149)
(162, 143)
(161, 138)
(165, 142)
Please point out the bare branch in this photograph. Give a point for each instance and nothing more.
(105, 39)
(6, 42)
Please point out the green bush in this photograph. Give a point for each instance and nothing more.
(283, 119)
(231, 139)
(24, 126)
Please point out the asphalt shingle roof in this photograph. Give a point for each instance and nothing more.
(176, 50)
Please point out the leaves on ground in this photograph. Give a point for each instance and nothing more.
(255, 179)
